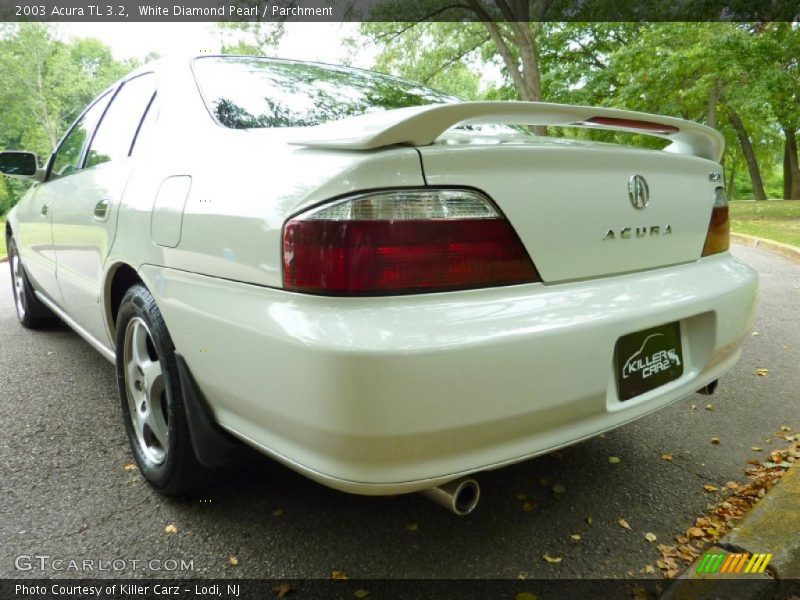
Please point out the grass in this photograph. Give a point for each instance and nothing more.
(2, 244)
(777, 220)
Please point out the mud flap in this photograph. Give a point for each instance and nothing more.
(212, 445)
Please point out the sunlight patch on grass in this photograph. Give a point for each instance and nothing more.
(777, 220)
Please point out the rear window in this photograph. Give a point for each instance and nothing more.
(250, 92)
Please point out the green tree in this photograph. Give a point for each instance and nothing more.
(44, 85)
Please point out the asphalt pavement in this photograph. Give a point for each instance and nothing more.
(65, 491)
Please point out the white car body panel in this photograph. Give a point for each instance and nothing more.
(395, 394)
(398, 393)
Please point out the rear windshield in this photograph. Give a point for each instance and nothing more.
(248, 92)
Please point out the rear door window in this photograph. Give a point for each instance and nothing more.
(116, 134)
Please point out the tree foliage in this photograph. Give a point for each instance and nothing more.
(741, 78)
(44, 85)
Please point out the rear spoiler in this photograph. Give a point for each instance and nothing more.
(422, 125)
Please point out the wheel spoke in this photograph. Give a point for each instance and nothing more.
(155, 420)
(154, 380)
(139, 352)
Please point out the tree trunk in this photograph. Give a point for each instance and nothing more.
(517, 33)
(713, 98)
(749, 155)
(731, 187)
(791, 171)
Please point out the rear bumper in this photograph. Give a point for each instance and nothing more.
(390, 395)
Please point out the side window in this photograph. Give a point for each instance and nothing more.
(117, 131)
(68, 155)
(147, 127)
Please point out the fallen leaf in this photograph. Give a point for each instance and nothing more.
(624, 524)
(339, 575)
(715, 440)
(695, 532)
(785, 428)
(693, 407)
(732, 485)
(762, 372)
(361, 593)
(282, 589)
(649, 569)
(709, 407)
(552, 559)
(756, 448)
(171, 528)
(588, 520)
(130, 467)
(667, 457)
(639, 593)
(575, 536)
(412, 527)
(710, 488)
(528, 506)
(559, 489)
(526, 596)
(650, 537)
(755, 333)
(233, 561)
(613, 460)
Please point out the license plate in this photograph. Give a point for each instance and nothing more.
(647, 359)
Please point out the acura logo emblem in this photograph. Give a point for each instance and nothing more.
(638, 191)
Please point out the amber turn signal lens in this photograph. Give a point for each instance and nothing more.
(718, 238)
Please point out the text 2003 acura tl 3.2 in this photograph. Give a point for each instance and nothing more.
(380, 286)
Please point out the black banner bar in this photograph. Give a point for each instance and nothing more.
(397, 10)
(374, 589)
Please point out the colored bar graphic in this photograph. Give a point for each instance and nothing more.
(734, 563)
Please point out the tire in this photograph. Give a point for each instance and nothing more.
(30, 310)
(152, 399)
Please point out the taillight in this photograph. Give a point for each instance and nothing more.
(719, 229)
(402, 242)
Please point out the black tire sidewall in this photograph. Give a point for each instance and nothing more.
(138, 302)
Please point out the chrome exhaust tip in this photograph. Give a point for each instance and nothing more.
(709, 389)
(459, 496)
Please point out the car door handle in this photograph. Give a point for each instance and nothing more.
(45, 209)
(101, 209)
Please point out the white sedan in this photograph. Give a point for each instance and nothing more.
(374, 283)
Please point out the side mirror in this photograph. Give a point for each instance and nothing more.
(18, 164)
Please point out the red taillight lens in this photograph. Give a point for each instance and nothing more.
(343, 249)
(648, 126)
(718, 238)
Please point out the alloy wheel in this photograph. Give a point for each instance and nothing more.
(144, 383)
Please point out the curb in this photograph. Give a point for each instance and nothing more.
(771, 526)
(785, 250)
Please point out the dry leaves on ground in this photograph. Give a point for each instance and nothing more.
(552, 559)
(624, 524)
(724, 515)
(282, 589)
